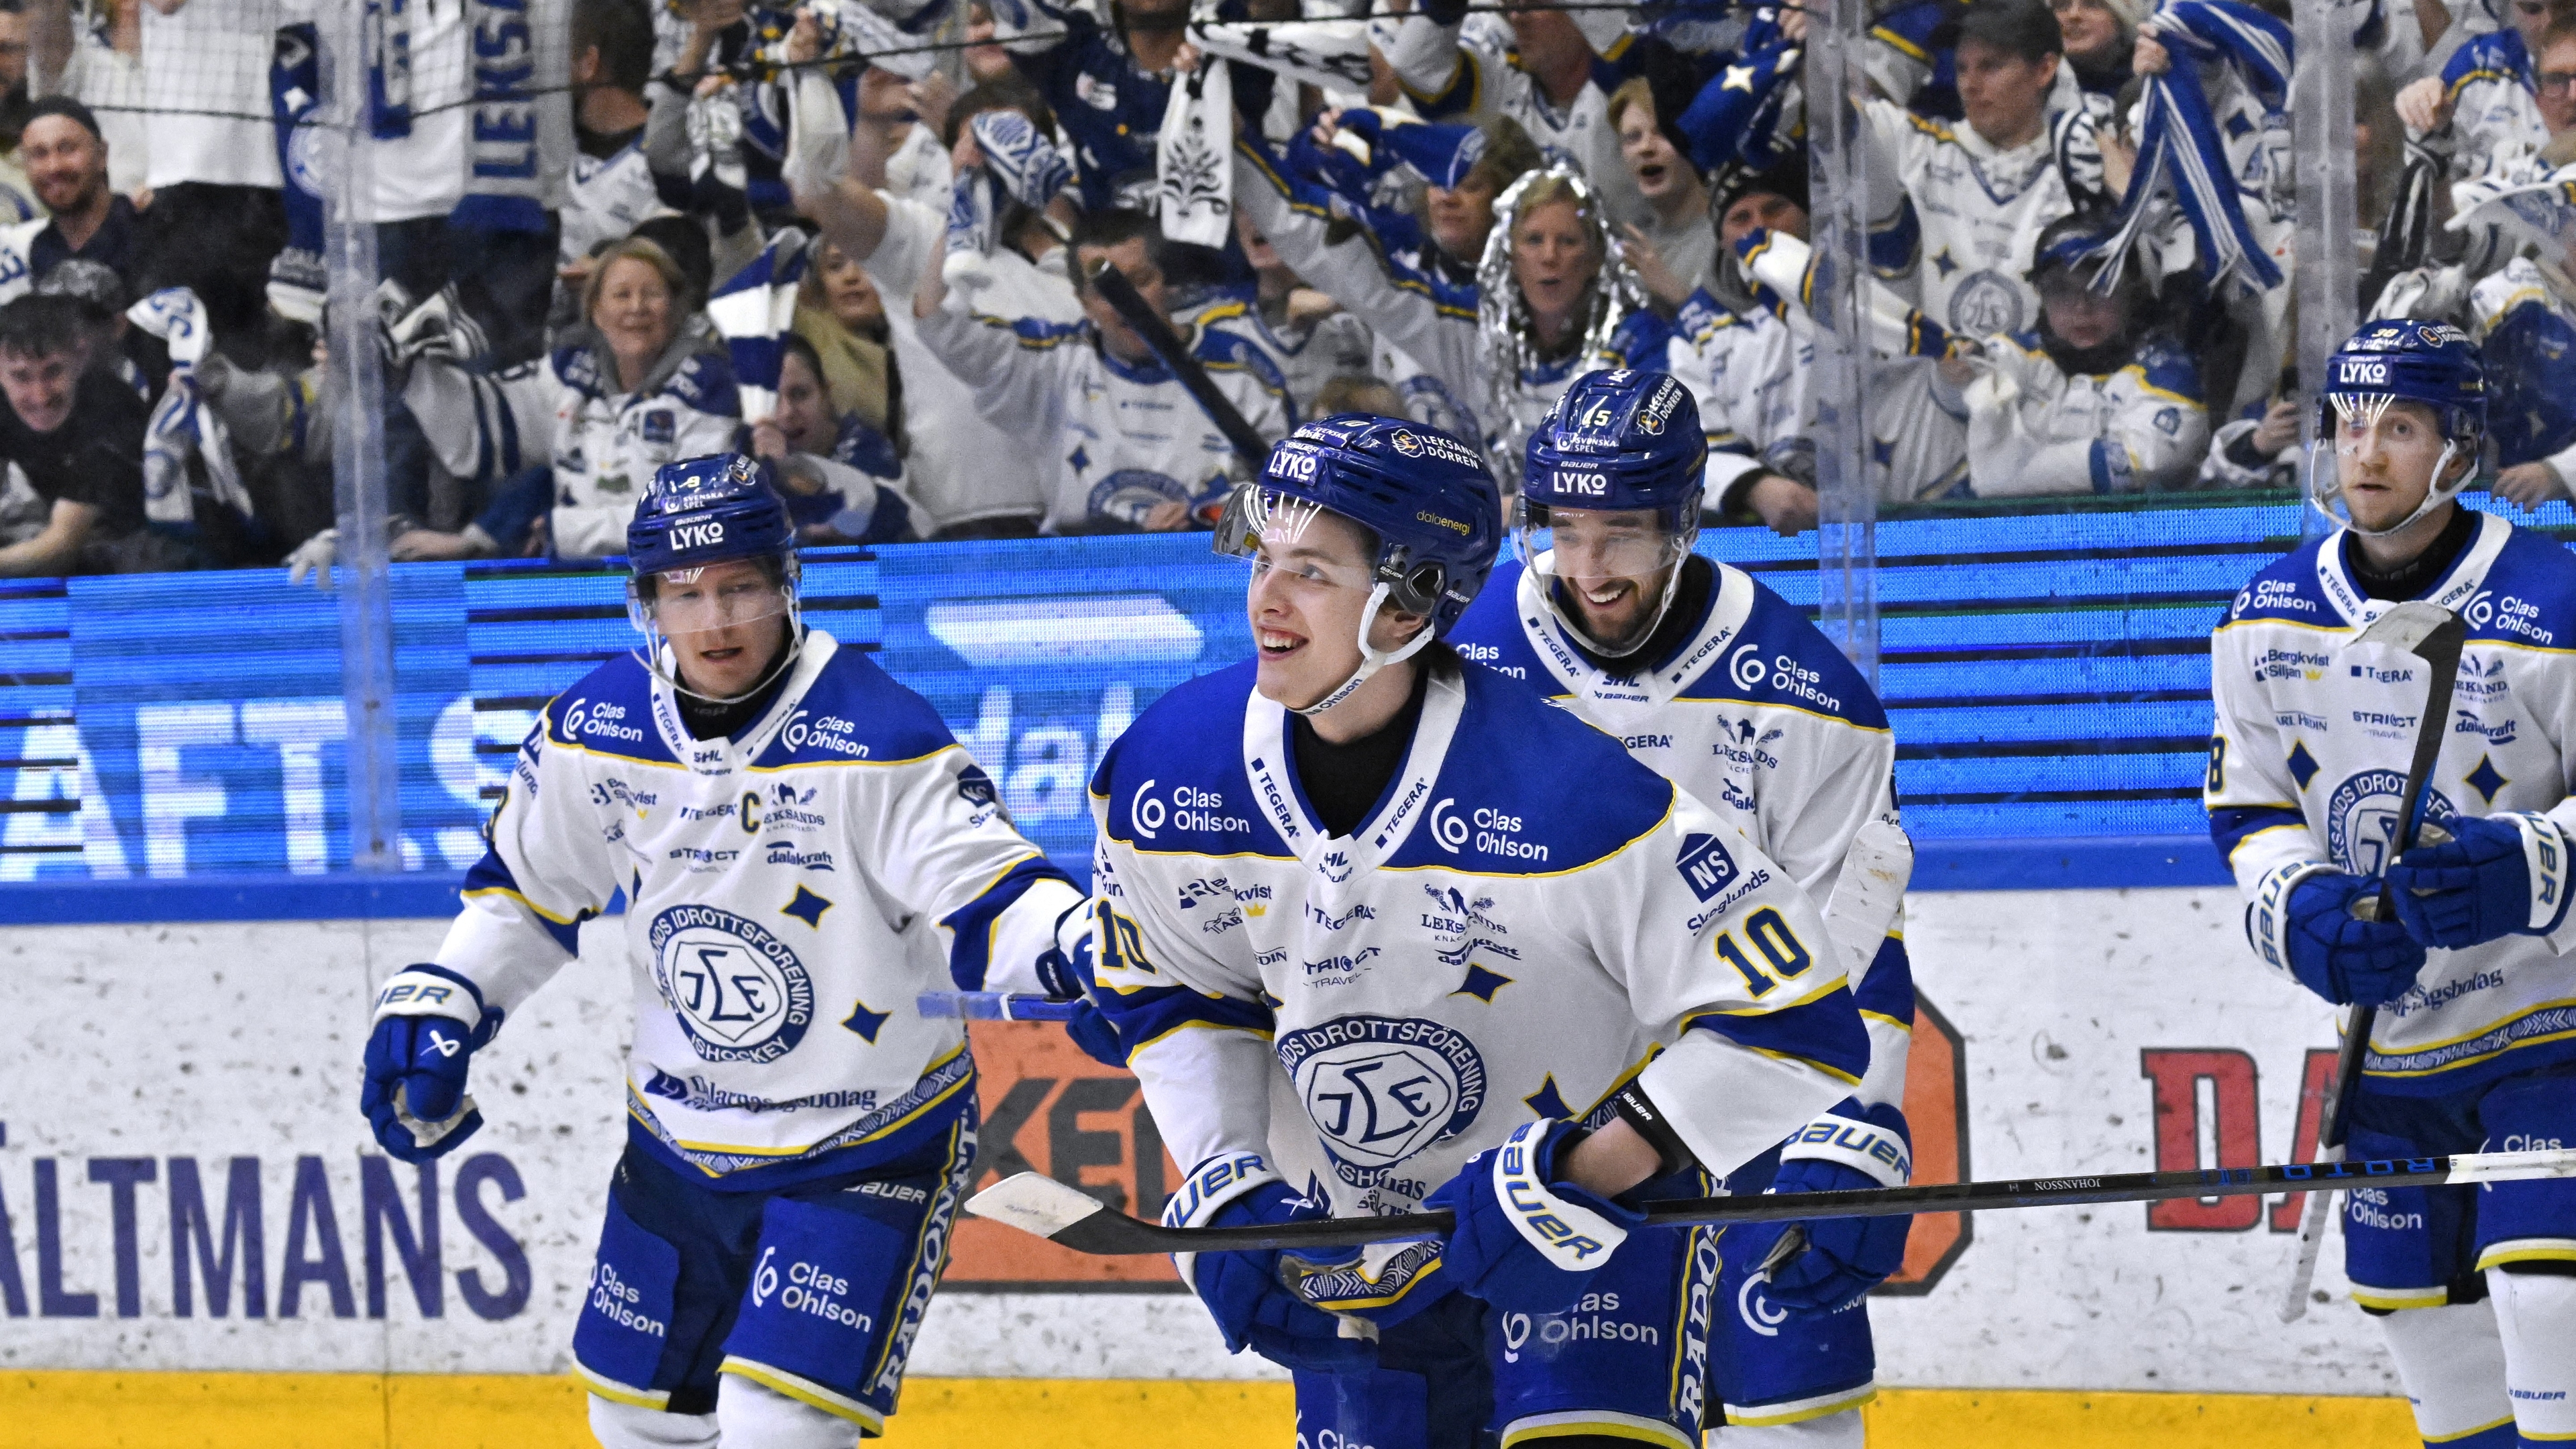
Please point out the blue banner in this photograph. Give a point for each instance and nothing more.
(2047, 675)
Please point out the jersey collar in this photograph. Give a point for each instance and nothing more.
(723, 756)
(2453, 591)
(1335, 861)
(1731, 603)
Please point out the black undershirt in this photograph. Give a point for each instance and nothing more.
(2417, 574)
(1344, 782)
(706, 720)
(1680, 622)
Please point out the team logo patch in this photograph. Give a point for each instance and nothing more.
(1705, 866)
(1986, 303)
(1407, 444)
(2362, 816)
(975, 787)
(739, 993)
(1381, 1088)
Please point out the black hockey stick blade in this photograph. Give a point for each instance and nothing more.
(1036, 1203)
(1121, 294)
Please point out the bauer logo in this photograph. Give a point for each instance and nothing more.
(739, 993)
(1705, 866)
(1380, 1088)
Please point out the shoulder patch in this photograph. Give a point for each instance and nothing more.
(1781, 659)
(2285, 589)
(856, 713)
(609, 712)
(2528, 596)
(1499, 807)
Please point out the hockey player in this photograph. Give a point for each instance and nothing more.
(803, 850)
(1719, 685)
(1457, 926)
(2472, 1048)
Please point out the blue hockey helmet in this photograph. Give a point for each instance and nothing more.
(2408, 360)
(1431, 506)
(696, 513)
(701, 511)
(1619, 441)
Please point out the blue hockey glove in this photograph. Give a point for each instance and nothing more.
(429, 1023)
(1849, 1148)
(1243, 1291)
(2470, 880)
(1527, 1241)
(2329, 952)
(1064, 969)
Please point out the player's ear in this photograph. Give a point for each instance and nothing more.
(1396, 628)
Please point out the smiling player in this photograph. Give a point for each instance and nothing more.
(803, 850)
(1499, 967)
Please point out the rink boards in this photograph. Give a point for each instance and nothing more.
(185, 1113)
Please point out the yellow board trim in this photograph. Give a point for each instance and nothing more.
(71, 1409)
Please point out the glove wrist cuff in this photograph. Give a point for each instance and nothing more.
(1213, 1185)
(1573, 1237)
(2544, 855)
(1873, 1149)
(429, 990)
(2267, 915)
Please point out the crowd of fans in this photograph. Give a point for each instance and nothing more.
(716, 224)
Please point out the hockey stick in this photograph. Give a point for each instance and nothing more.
(1118, 292)
(2435, 635)
(1036, 1203)
(994, 1006)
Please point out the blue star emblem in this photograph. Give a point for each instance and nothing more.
(1882, 451)
(2238, 126)
(1080, 460)
(2485, 780)
(1482, 984)
(1942, 262)
(2303, 766)
(866, 1022)
(1547, 1101)
(807, 907)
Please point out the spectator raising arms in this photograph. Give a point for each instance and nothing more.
(567, 443)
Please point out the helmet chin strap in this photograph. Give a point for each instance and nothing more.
(1570, 617)
(1371, 660)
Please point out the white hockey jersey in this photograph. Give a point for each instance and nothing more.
(964, 469)
(1335, 345)
(1748, 372)
(1968, 217)
(1758, 717)
(1461, 76)
(790, 891)
(1117, 439)
(566, 411)
(1529, 920)
(2034, 428)
(2315, 733)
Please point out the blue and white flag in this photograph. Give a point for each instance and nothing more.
(2181, 149)
(754, 310)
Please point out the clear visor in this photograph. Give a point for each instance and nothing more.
(2365, 422)
(1570, 543)
(707, 601)
(1274, 533)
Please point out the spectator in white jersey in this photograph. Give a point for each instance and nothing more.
(566, 444)
(611, 189)
(218, 214)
